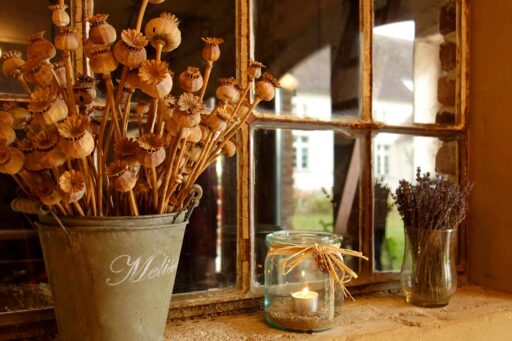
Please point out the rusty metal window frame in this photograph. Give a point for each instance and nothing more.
(242, 298)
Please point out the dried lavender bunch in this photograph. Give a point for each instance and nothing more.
(432, 203)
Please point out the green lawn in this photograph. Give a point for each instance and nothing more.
(393, 251)
(312, 221)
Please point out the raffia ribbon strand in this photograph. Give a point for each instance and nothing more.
(330, 258)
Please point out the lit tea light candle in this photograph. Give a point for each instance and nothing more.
(305, 301)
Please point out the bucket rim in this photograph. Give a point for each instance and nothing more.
(129, 223)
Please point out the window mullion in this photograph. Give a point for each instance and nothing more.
(366, 28)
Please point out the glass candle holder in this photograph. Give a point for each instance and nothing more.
(303, 297)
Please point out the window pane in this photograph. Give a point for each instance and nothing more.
(397, 157)
(317, 190)
(315, 51)
(19, 20)
(414, 62)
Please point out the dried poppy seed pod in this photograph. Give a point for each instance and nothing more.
(19, 114)
(189, 110)
(130, 50)
(38, 72)
(101, 32)
(50, 156)
(32, 161)
(60, 71)
(254, 70)
(126, 150)
(46, 101)
(66, 39)
(155, 79)
(6, 119)
(51, 197)
(166, 107)
(77, 140)
(59, 15)
(164, 30)
(195, 134)
(11, 160)
(7, 135)
(72, 186)
(40, 48)
(211, 50)
(151, 152)
(84, 90)
(11, 64)
(191, 79)
(266, 87)
(142, 108)
(227, 92)
(142, 186)
(229, 149)
(122, 176)
(218, 120)
(102, 60)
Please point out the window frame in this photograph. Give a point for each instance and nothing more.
(242, 297)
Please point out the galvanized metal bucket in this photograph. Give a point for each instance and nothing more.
(112, 277)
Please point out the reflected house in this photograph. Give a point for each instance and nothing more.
(311, 97)
(405, 71)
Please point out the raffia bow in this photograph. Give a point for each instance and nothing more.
(327, 257)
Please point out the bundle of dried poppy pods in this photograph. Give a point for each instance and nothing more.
(81, 160)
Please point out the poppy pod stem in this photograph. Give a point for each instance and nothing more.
(20, 184)
(101, 165)
(150, 124)
(120, 86)
(61, 209)
(154, 180)
(24, 84)
(159, 47)
(142, 10)
(69, 81)
(89, 182)
(236, 126)
(198, 165)
(115, 117)
(176, 168)
(78, 208)
(124, 120)
(207, 72)
(160, 120)
(67, 208)
(133, 203)
(237, 108)
(168, 173)
(139, 123)
(62, 92)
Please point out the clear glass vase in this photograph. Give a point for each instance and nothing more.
(429, 273)
(305, 298)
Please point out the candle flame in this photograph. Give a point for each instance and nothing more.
(305, 290)
(303, 273)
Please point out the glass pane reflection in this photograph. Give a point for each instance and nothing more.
(396, 157)
(414, 62)
(305, 180)
(315, 52)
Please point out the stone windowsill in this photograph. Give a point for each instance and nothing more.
(474, 313)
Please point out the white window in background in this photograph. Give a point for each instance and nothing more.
(300, 152)
(382, 160)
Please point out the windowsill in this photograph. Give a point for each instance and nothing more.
(474, 313)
